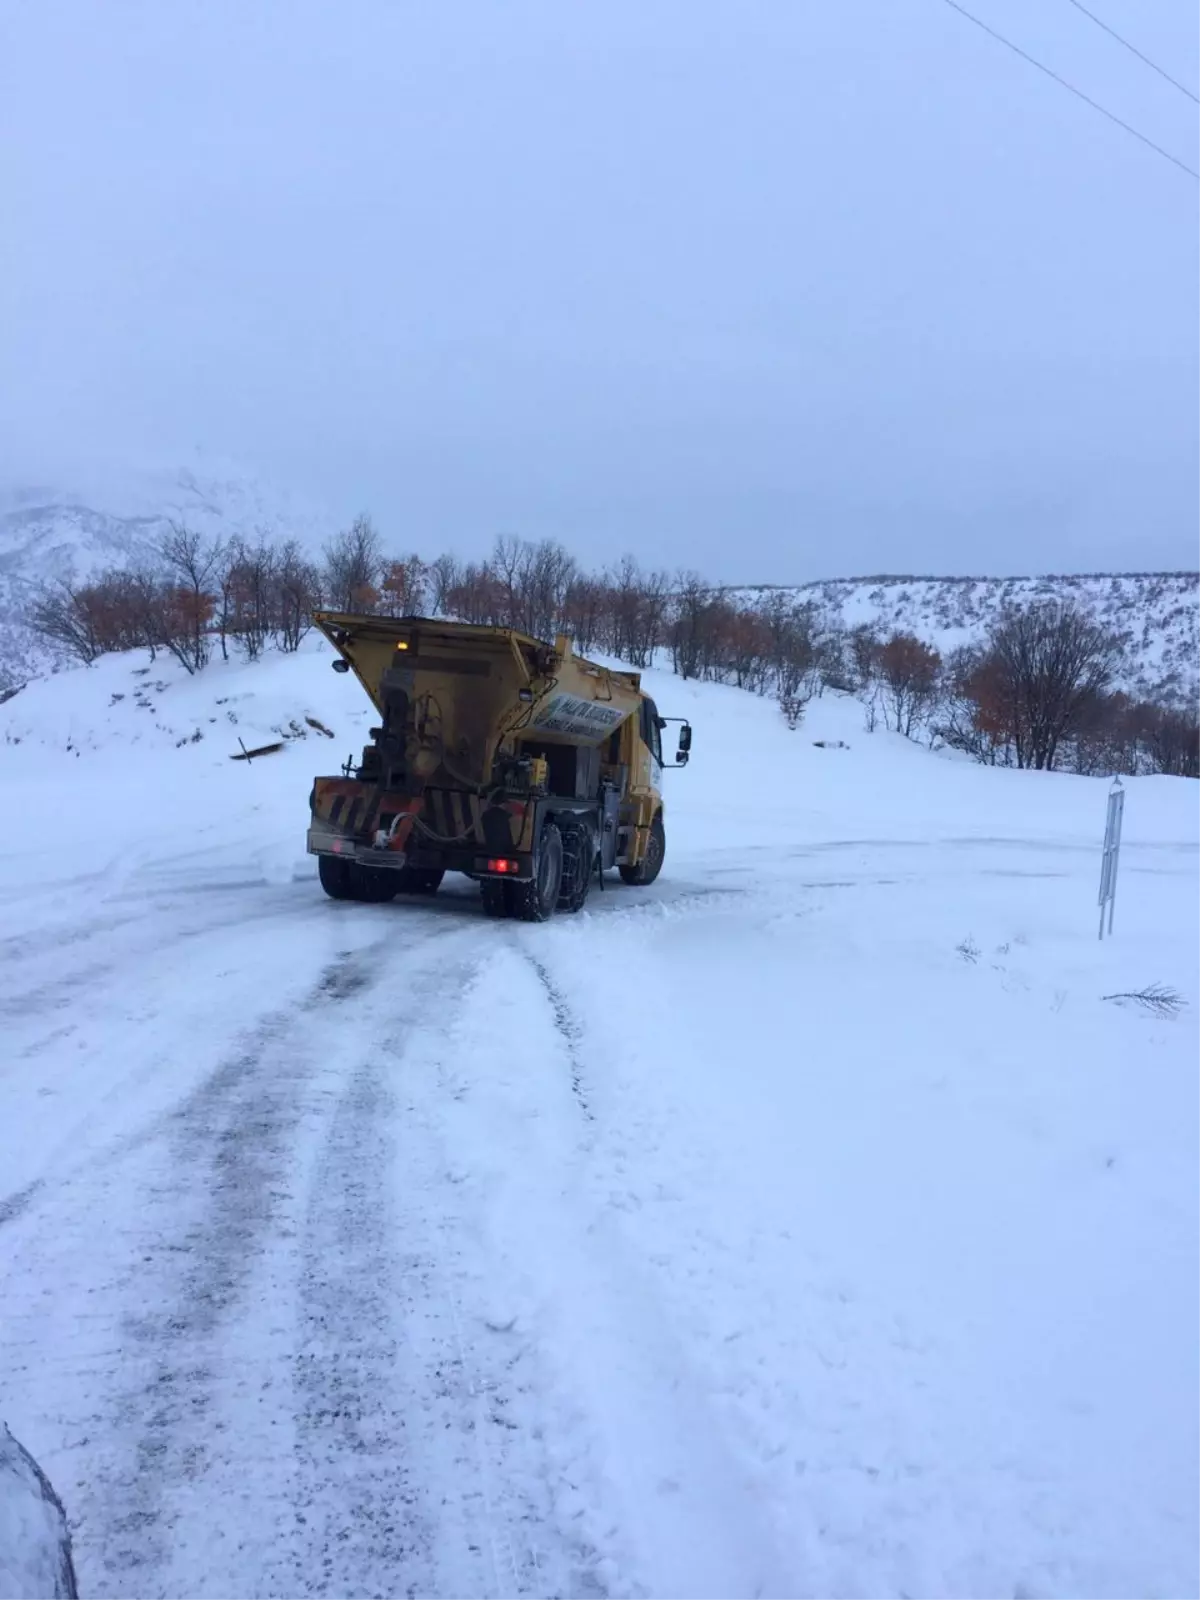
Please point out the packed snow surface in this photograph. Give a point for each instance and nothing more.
(808, 1223)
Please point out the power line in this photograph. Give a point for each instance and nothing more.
(1086, 98)
(1182, 87)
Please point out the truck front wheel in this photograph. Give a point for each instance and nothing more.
(649, 867)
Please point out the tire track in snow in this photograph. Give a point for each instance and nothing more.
(569, 1032)
(16, 1204)
(214, 1205)
(687, 1511)
(409, 1397)
(357, 1396)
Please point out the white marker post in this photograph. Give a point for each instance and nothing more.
(1112, 854)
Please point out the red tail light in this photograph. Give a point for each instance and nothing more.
(501, 864)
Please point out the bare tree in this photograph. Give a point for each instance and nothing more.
(188, 602)
(634, 614)
(299, 595)
(687, 627)
(546, 575)
(507, 568)
(254, 606)
(65, 615)
(652, 616)
(353, 567)
(862, 655)
(582, 607)
(477, 596)
(1050, 660)
(143, 589)
(796, 650)
(443, 576)
(225, 584)
(1172, 741)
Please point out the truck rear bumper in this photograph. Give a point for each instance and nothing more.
(436, 858)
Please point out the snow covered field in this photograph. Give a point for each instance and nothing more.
(807, 1224)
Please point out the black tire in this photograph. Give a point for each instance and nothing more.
(337, 877)
(495, 897)
(418, 880)
(649, 867)
(579, 862)
(375, 884)
(537, 900)
(346, 880)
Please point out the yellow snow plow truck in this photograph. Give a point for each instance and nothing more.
(513, 761)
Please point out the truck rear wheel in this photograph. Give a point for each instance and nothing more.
(649, 867)
(537, 900)
(579, 859)
(346, 880)
(335, 875)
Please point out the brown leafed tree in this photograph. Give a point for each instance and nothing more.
(183, 619)
(909, 673)
(402, 587)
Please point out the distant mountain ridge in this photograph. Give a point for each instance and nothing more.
(48, 533)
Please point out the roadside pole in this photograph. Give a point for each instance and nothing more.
(1112, 854)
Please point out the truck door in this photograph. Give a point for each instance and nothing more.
(652, 738)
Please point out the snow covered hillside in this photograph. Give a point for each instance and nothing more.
(47, 533)
(1156, 615)
(808, 1223)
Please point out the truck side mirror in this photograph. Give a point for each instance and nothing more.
(685, 738)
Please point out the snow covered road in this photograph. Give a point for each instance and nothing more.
(808, 1224)
(302, 1289)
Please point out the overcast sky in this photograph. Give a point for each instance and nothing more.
(773, 290)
